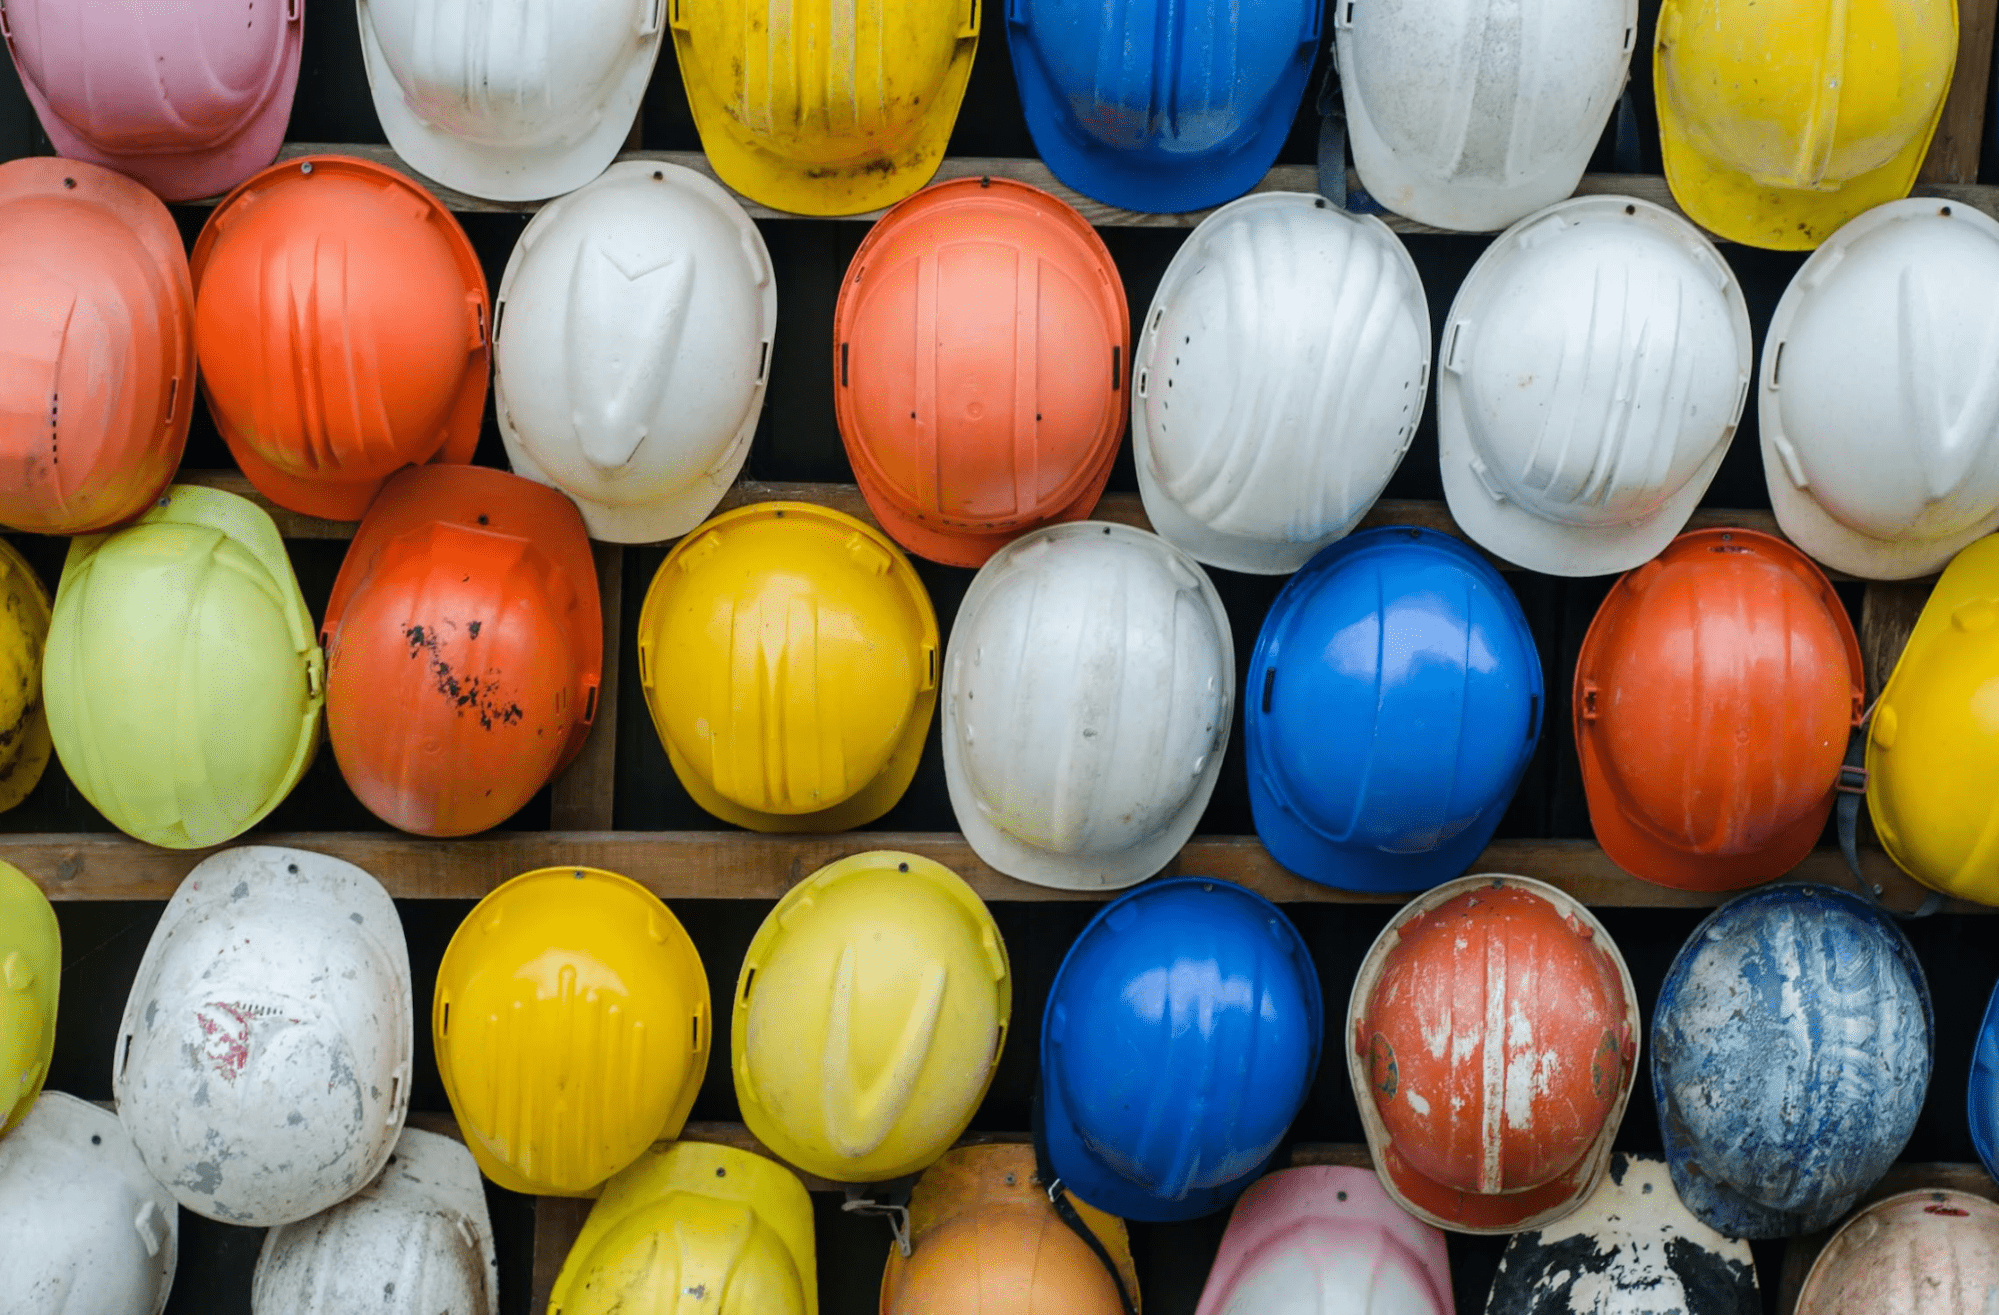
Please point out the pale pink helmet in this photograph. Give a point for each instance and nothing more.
(188, 98)
(1328, 1241)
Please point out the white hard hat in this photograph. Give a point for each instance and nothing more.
(1593, 367)
(515, 101)
(84, 1229)
(416, 1241)
(1279, 381)
(1916, 1253)
(631, 343)
(1880, 392)
(1088, 690)
(1470, 114)
(263, 1064)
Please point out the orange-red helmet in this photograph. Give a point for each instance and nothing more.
(980, 350)
(96, 347)
(1714, 697)
(1492, 1039)
(463, 646)
(341, 319)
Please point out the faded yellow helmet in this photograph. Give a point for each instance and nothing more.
(825, 107)
(571, 1028)
(30, 978)
(1782, 119)
(789, 656)
(24, 631)
(869, 1018)
(182, 677)
(1933, 745)
(729, 1228)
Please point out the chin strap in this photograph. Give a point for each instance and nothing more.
(890, 1200)
(1852, 788)
(1624, 146)
(1065, 1210)
(1333, 146)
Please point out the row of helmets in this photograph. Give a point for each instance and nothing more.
(263, 1065)
(1779, 122)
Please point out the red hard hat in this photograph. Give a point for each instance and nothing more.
(463, 647)
(980, 350)
(1714, 697)
(341, 318)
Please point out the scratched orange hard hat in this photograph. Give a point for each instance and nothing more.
(980, 349)
(463, 648)
(341, 320)
(1715, 694)
(96, 347)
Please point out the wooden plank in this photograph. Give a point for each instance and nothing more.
(581, 799)
(1953, 156)
(1802, 1251)
(680, 865)
(558, 1220)
(1888, 612)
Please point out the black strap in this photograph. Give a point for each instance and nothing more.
(1333, 146)
(1058, 1196)
(1624, 146)
(890, 1200)
(1852, 788)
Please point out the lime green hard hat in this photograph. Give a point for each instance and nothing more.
(30, 972)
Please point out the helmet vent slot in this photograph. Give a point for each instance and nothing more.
(1269, 684)
(843, 365)
(444, 1028)
(1534, 715)
(749, 984)
(1630, 34)
(763, 361)
(590, 706)
(173, 398)
(1117, 367)
(695, 1043)
(124, 1055)
(499, 318)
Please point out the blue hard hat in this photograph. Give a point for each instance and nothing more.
(1791, 1051)
(1982, 1097)
(1181, 1035)
(1393, 700)
(1161, 105)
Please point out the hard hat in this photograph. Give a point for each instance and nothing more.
(789, 658)
(1782, 119)
(99, 341)
(1631, 1249)
(1145, 1112)
(726, 1228)
(30, 982)
(1297, 404)
(1930, 1252)
(511, 102)
(969, 308)
(181, 678)
(1982, 1092)
(372, 357)
(1767, 1131)
(1593, 367)
(1326, 1239)
(582, 1028)
(985, 1240)
(825, 108)
(631, 372)
(188, 98)
(1714, 697)
(24, 634)
(1543, 1026)
(416, 1241)
(463, 643)
(1409, 651)
(870, 1014)
(263, 1064)
(1880, 438)
(1161, 106)
(1474, 113)
(1084, 753)
(88, 1230)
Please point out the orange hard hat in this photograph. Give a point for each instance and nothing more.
(1715, 694)
(1493, 1035)
(96, 347)
(341, 318)
(984, 1240)
(979, 355)
(463, 647)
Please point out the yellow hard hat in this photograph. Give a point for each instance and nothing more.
(1782, 119)
(870, 1014)
(182, 676)
(1933, 745)
(730, 1228)
(825, 108)
(789, 656)
(985, 1240)
(571, 1026)
(24, 630)
(30, 975)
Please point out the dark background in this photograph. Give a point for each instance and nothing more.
(797, 440)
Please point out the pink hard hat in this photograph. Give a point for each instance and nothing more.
(189, 98)
(1299, 1237)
